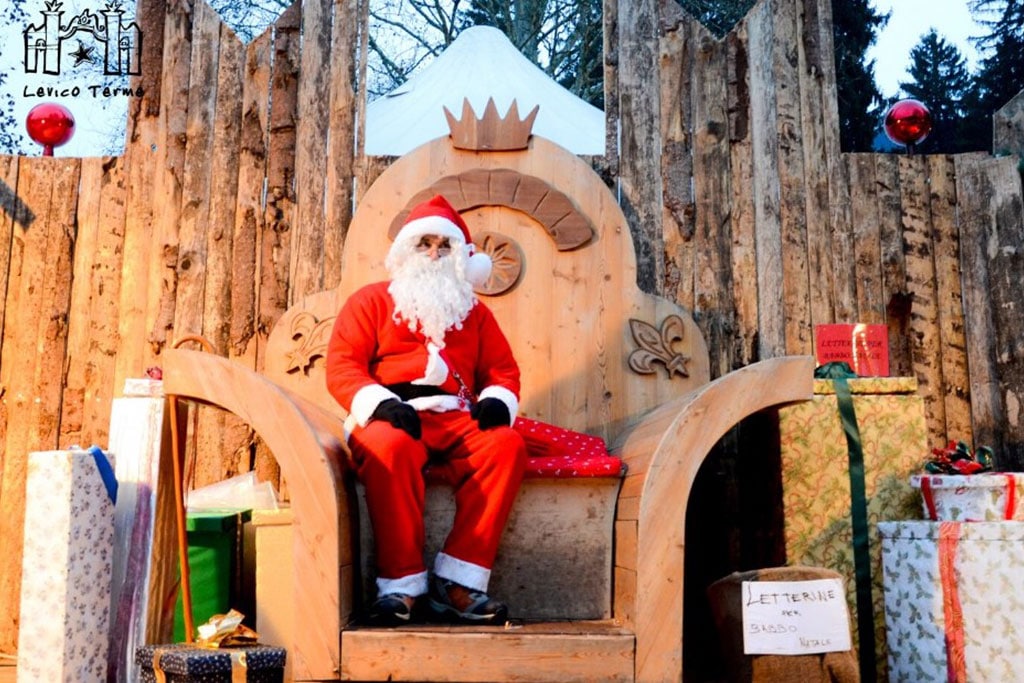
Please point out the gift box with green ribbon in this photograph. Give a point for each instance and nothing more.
(836, 489)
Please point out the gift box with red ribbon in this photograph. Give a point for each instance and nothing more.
(952, 600)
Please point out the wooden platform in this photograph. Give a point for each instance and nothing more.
(602, 651)
(8, 672)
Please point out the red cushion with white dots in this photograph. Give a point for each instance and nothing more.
(555, 452)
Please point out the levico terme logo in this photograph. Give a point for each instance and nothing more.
(90, 50)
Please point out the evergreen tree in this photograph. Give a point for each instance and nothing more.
(854, 29)
(718, 15)
(1001, 73)
(942, 82)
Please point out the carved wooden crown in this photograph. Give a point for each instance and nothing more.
(491, 132)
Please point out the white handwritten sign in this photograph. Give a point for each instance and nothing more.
(795, 617)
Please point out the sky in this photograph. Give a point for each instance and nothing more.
(910, 20)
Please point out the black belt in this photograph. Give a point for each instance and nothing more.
(408, 391)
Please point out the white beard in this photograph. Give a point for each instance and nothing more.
(430, 296)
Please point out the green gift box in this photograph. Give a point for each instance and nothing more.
(216, 570)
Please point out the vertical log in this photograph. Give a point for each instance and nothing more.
(36, 329)
(145, 159)
(765, 166)
(894, 275)
(817, 176)
(676, 48)
(276, 239)
(93, 338)
(992, 232)
(341, 155)
(792, 180)
(952, 344)
(313, 127)
(839, 201)
(640, 150)
(866, 240)
(246, 338)
(8, 212)
(712, 282)
(743, 248)
(924, 322)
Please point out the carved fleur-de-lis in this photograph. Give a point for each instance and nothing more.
(310, 336)
(656, 346)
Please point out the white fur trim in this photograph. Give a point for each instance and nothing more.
(431, 225)
(506, 397)
(366, 401)
(413, 584)
(441, 403)
(437, 370)
(478, 268)
(461, 572)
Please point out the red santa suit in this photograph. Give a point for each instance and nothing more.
(372, 357)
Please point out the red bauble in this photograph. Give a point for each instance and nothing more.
(908, 122)
(50, 124)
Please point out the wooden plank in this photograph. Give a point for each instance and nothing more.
(1008, 127)
(93, 338)
(792, 180)
(144, 163)
(36, 329)
(817, 179)
(245, 336)
(640, 141)
(676, 48)
(924, 323)
(743, 251)
(989, 196)
(163, 242)
(895, 291)
(313, 130)
(343, 120)
(712, 181)
(952, 341)
(580, 652)
(974, 206)
(766, 190)
(865, 240)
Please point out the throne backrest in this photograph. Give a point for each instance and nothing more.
(595, 352)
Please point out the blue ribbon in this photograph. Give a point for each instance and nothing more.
(106, 471)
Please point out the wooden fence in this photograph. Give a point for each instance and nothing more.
(233, 195)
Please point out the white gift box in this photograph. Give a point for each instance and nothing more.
(66, 569)
(952, 589)
(986, 497)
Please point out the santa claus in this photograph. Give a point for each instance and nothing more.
(426, 374)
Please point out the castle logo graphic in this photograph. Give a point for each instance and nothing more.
(121, 40)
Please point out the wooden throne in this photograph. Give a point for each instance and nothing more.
(597, 356)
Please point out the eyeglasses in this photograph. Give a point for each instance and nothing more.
(429, 243)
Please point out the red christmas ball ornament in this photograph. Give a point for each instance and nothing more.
(50, 125)
(908, 122)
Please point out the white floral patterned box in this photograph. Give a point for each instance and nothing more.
(66, 567)
(954, 600)
(986, 497)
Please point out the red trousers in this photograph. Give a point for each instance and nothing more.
(484, 467)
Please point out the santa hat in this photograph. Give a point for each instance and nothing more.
(437, 217)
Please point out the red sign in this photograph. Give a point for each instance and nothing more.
(864, 347)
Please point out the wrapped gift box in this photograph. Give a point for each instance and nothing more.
(971, 497)
(984, 562)
(66, 569)
(816, 480)
(181, 663)
(215, 559)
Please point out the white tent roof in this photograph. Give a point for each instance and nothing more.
(481, 63)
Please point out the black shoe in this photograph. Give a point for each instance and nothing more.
(455, 602)
(393, 609)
